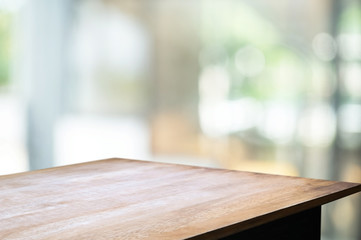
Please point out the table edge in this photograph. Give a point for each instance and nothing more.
(272, 216)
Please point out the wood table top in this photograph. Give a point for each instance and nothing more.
(130, 199)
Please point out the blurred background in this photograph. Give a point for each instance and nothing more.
(266, 86)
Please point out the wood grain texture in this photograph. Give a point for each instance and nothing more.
(128, 199)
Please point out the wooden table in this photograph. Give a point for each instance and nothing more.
(128, 199)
